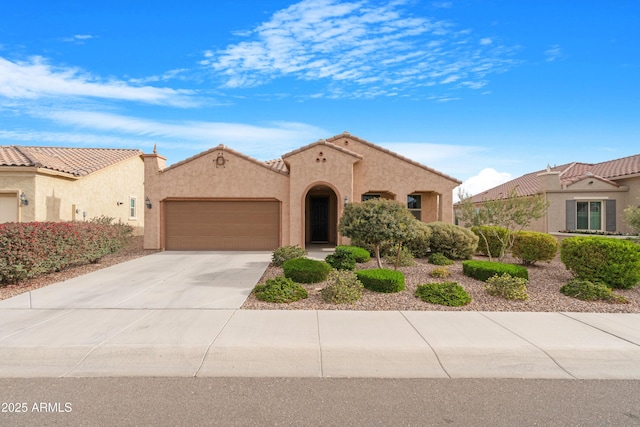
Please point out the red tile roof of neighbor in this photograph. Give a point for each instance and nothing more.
(74, 161)
(528, 185)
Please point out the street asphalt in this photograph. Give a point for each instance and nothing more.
(176, 314)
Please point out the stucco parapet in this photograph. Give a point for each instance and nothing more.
(396, 155)
(224, 148)
(323, 142)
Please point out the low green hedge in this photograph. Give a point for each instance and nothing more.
(439, 259)
(448, 293)
(589, 291)
(381, 280)
(306, 270)
(359, 254)
(483, 270)
(280, 290)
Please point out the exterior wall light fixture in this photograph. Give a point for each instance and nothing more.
(23, 199)
(147, 203)
(346, 200)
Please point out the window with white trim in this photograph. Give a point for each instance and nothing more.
(132, 208)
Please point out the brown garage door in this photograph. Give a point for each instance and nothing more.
(212, 225)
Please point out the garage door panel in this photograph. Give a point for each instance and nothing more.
(222, 225)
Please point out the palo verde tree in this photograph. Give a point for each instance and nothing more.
(513, 213)
(378, 221)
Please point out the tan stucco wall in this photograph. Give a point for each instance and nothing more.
(380, 171)
(52, 195)
(200, 178)
(320, 165)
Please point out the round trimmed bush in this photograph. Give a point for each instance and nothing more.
(448, 293)
(360, 254)
(306, 270)
(285, 253)
(341, 259)
(381, 280)
(439, 259)
(420, 244)
(531, 247)
(492, 240)
(452, 241)
(589, 291)
(507, 286)
(614, 262)
(280, 290)
(344, 288)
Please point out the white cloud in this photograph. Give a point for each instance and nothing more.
(36, 79)
(263, 142)
(554, 53)
(487, 178)
(340, 42)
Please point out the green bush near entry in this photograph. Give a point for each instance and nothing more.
(306, 270)
(381, 280)
(280, 290)
(341, 259)
(344, 288)
(452, 241)
(360, 254)
(285, 253)
(483, 270)
(448, 293)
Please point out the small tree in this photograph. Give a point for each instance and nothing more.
(632, 217)
(515, 213)
(378, 221)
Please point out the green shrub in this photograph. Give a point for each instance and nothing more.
(34, 248)
(439, 259)
(280, 290)
(305, 270)
(448, 293)
(405, 260)
(483, 270)
(531, 247)
(440, 272)
(381, 280)
(507, 286)
(590, 291)
(492, 240)
(420, 244)
(452, 241)
(341, 259)
(614, 262)
(344, 288)
(285, 253)
(385, 247)
(359, 254)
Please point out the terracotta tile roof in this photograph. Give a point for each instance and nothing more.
(277, 164)
(74, 161)
(528, 185)
(384, 150)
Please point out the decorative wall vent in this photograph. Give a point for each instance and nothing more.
(220, 161)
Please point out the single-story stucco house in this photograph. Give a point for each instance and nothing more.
(71, 184)
(224, 200)
(582, 196)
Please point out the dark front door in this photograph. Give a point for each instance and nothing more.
(320, 218)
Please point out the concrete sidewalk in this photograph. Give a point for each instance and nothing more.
(82, 342)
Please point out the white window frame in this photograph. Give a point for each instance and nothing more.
(588, 201)
(133, 208)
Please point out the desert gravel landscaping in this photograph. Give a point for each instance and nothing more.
(545, 281)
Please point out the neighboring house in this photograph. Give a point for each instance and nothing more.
(582, 196)
(71, 184)
(223, 200)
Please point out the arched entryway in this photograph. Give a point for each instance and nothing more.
(321, 215)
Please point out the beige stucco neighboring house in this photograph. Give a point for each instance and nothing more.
(71, 184)
(582, 196)
(224, 200)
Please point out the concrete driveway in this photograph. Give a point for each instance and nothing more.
(214, 280)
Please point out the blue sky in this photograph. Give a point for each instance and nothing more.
(484, 91)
